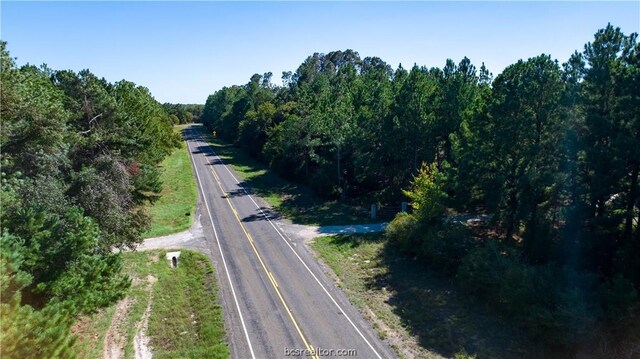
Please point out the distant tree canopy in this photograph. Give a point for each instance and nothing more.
(78, 160)
(181, 114)
(551, 151)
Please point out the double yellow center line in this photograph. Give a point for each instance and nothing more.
(272, 279)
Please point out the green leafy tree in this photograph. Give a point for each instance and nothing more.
(610, 151)
(527, 126)
(473, 159)
(427, 193)
(374, 165)
(252, 130)
(27, 332)
(414, 110)
(78, 160)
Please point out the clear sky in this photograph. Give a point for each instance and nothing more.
(184, 51)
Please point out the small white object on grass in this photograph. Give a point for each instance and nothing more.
(173, 258)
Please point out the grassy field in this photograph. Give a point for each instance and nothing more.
(185, 320)
(178, 197)
(293, 201)
(418, 311)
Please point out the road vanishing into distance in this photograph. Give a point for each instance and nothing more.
(278, 303)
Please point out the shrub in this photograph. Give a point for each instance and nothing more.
(427, 193)
(464, 355)
(575, 316)
(618, 297)
(481, 270)
(443, 246)
(402, 231)
(525, 288)
(437, 244)
(550, 302)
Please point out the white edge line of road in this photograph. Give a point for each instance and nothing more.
(294, 252)
(224, 262)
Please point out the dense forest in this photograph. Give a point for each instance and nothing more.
(181, 113)
(78, 158)
(549, 151)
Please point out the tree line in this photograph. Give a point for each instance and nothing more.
(183, 113)
(551, 151)
(78, 158)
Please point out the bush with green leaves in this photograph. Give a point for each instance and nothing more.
(444, 245)
(481, 270)
(427, 194)
(619, 298)
(552, 303)
(425, 234)
(402, 231)
(441, 245)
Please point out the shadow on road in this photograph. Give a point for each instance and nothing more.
(294, 201)
(260, 215)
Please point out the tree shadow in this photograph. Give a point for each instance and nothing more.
(262, 214)
(293, 201)
(207, 152)
(319, 212)
(235, 193)
(200, 150)
(441, 317)
(189, 133)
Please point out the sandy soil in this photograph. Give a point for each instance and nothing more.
(141, 341)
(114, 340)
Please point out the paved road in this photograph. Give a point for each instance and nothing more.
(276, 298)
(193, 238)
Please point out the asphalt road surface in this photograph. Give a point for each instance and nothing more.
(278, 302)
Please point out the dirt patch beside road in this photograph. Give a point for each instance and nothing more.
(141, 341)
(115, 339)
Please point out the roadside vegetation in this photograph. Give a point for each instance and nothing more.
(423, 313)
(548, 151)
(419, 312)
(174, 210)
(291, 200)
(184, 319)
(79, 166)
(183, 113)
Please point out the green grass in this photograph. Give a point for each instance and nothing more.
(185, 321)
(90, 331)
(420, 312)
(178, 197)
(293, 201)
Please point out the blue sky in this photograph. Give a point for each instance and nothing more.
(184, 51)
